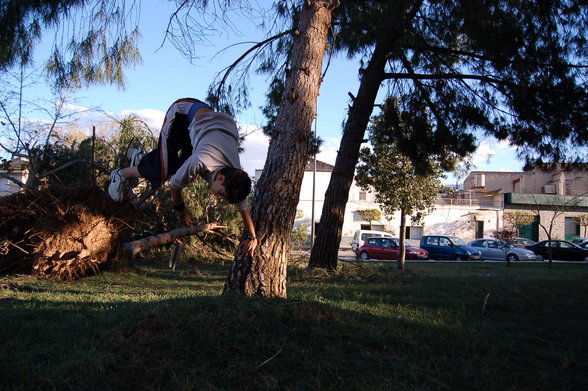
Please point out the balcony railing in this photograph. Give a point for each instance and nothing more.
(477, 202)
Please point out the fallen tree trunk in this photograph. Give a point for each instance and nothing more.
(135, 247)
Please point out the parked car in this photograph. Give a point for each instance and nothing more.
(498, 250)
(580, 241)
(389, 248)
(361, 235)
(449, 247)
(561, 250)
(522, 242)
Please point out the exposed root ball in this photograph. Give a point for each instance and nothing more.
(60, 234)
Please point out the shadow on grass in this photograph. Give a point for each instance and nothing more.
(307, 342)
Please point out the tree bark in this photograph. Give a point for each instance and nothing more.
(328, 235)
(132, 248)
(278, 189)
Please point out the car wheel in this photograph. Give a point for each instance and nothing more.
(460, 258)
(364, 256)
(512, 258)
(539, 258)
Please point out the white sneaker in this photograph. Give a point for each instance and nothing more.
(134, 155)
(116, 189)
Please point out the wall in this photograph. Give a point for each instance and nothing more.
(574, 182)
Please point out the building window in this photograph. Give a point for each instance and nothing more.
(572, 228)
(362, 195)
(414, 233)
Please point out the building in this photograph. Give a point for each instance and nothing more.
(17, 168)
(555, 196)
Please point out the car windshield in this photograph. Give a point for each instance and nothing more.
(406, 243)
(457, 241)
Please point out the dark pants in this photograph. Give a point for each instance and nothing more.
(179, 149)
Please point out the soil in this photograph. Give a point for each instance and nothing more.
(60, 233)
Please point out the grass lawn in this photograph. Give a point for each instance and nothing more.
(368, 327)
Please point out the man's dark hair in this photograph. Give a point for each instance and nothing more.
(237, 184)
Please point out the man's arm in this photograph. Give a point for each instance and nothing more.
(180, 206)
(250, 243)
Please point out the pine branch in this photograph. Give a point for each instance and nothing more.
(441, 76)
(258, 45)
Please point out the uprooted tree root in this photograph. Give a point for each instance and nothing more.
(60, 233)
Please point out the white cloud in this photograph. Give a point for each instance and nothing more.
(255, 148)
(153, 118)
(328, 151)
(484, 154)
(256, 145)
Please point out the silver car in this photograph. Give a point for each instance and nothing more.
(497, 250)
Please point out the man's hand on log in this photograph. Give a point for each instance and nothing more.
(185, 218)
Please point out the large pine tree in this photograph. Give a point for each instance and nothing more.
(512, 69)
(278, 189)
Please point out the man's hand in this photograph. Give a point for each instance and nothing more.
(185, 218)
(247, 248)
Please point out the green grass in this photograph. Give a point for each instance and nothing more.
(432, 327)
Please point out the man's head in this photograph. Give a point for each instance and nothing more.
(231, 184)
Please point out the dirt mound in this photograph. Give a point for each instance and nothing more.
(60, 233)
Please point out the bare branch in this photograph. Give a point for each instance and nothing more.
(257, 46)
(10, 178)
(64, 166)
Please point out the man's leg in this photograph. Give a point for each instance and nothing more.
(123, 180)
(134, 155)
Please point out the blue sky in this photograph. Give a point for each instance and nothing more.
(165, 76)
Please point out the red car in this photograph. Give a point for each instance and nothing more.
(385, 248)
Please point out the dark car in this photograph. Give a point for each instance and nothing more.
(561, 250)
(449, 247)
(493, 249)
(388, 248)
(580, 242)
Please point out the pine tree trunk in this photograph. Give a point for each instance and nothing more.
(328, 234)
(278, 189)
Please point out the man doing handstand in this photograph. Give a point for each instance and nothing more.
(194, 142)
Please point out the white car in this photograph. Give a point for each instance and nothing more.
(361, 235)
(493, 249)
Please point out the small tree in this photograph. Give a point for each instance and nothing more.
(391, 174)
(506, 235)
(370, 215)
(300, 234)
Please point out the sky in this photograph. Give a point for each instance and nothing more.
(165, 75)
